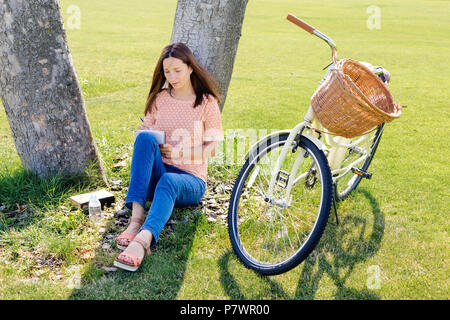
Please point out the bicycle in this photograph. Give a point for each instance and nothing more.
(283, 195)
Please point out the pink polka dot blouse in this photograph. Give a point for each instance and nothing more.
(186, 127)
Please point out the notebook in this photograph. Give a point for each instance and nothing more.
(159, 135)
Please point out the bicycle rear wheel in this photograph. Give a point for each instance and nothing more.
(350, 181)
(272, 236)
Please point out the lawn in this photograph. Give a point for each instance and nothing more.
(392, 241)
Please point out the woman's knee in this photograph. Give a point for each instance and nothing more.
(146, 138)
(168, 181)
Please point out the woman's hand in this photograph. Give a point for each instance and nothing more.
(142, 126)
(169, 152)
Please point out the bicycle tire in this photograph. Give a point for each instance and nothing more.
(355, 179)
(241, 220)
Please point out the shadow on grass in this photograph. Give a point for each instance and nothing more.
(34, 195)
(340, 249)
(160, 275)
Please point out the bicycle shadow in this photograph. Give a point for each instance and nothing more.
(340, 249)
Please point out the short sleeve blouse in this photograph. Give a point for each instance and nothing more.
(186, 125)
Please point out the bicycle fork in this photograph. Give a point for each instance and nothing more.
(287, 177)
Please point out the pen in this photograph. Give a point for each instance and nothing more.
(142, 120)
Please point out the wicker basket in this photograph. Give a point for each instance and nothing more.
(353, 100)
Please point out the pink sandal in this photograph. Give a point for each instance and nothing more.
(136, 261)
(128, 236)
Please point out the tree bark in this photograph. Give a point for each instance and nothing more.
(211, 29)
(40, 91)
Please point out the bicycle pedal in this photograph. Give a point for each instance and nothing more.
(362, 173)
(282, 179)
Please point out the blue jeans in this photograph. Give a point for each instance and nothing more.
(165, 185)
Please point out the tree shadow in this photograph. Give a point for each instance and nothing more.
(340, 249)
(24, 195)
(160, 275)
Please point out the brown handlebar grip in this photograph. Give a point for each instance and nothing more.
(300, 23)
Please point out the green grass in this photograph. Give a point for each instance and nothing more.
(398, 221)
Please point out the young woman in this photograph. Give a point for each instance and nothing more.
(184, 103)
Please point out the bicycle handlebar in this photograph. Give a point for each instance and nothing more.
(302, 24)
(308, 28)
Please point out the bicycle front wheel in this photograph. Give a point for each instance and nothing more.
(272, 236)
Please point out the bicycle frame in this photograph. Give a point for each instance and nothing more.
(332, 155)
(333, 147)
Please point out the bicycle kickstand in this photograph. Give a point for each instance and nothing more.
(335, 205)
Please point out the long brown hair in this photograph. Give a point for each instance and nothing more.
(202, 81)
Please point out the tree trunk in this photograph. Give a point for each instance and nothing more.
(211, 29)
(40, 91)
